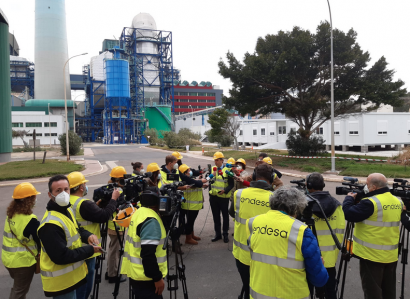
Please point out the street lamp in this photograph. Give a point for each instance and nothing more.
(49, 123)
(332, 98)
(65, 106)
(192, 120)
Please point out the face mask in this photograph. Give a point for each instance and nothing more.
(159, 176)
(175, 166)
(190, 173)
(239, 167)
(260, 159)
(142, 171)
(366, 189)
(85, 191)
(62, 199)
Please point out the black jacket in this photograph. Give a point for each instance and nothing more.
(91, 212)
(254, 184)
(31, 230)
(328, 203)
(54, 241)
(364, 209)
(190, 181)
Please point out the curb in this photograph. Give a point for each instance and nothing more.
(44, 180)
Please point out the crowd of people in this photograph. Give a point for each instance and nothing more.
(277, 255)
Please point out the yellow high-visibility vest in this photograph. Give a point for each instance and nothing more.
(55, 277)
(326, 243)
(377, 238)
(132, 261)
(193, 199)
(163, 180)
(277, 264)
(92, 227)
(248, 203)
(221, 182)
(13, 253)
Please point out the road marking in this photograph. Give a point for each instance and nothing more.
(111, 164)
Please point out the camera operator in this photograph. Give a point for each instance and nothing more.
(248, 203)
(179, 157)
(263, 156)
(138, 168)
(219, 195)
(376, 236)
(145, 262)
(283, 249)
(89, 215)
(277, 182)
(194, 202)
(113, 257)
(334, 213)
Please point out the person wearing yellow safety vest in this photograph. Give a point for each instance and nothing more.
(334, 214)
(376, 236)
(193, 203)
(113, 256)
(20, 230)
(179, 162)
(170, 167)
(248, 203)
(277, 182)
(145, 261)
(63, 249)
(89, 215)
(284, 252)
(219, 194)
(138, 168)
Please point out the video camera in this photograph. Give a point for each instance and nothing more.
(301, 185)
(353, 186)
(170, 198)
(402, 190)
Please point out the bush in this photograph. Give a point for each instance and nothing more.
(188, 134)
(74, 141)
(298, 146)
(224, 139)
(153, 136)
(192, 142)
(172, 139)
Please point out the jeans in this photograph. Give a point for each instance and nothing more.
(220, 205)
(83, 292)
(378, 279)
(245, 273)
(70, 295)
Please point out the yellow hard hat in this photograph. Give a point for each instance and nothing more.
(218, 155)
(152, 167)
(76, 178)
(177, 155)
(118, 172)
(241, 160)
(230, 160)
(267, 160)
(24, 190)
(124, 216)
(183, 168)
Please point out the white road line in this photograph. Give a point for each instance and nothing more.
(111, 164)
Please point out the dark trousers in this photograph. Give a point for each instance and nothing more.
(378, 280)
(22, 279)
(191, 217)
(244, 272)
(145, 290)
(330, 286)
(220, 205)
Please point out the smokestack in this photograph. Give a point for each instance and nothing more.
(51, 50)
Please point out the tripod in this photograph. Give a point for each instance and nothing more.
(99, 261)
(172, 279)
(404, 251)
(118, 276)
(346, 256)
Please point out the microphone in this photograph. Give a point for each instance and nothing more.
(229, 173)
(210, 177)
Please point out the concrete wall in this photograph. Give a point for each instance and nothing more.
(37, 117)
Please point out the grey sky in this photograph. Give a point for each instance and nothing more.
(203, 31)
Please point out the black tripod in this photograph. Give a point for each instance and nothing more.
(99, 261)
(172, 279)
(404, 251)
(118, 276)
(345, 258)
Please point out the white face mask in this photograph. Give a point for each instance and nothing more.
(176, 166)
(239, 167)
(366, 189)
(142, 171)
(62, 199)
(85, 191)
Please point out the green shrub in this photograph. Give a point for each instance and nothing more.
(298, 146)
(188, 134)
(153, 136)
(74, 141)
(172, 139)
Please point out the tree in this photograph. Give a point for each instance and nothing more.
(74, 143)
(153, 136)
(188, 134)
(21, 134)
(223, 124)
(289, 73)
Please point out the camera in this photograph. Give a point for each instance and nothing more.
(301, 185)
(353, 185)
(402, 190)
(171, 198)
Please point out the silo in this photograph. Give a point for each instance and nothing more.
(5, 90)
(149, 48)
(51, 50)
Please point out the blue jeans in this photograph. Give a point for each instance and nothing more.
(84, 291)
(70, 295)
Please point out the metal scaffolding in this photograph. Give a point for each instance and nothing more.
(22, 76)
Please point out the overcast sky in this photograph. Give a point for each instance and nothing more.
(203, 31)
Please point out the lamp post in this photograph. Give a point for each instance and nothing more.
(192, 119)
(332, 98)
(65, 106)
(49, 123)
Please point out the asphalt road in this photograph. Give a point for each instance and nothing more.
(210, 267)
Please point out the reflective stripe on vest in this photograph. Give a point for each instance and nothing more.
(260, 296)
(82, 223)
(377, 238)
(326, 232)
(238, 206)
(17, 249)
(70, 240)
(63, 271)
(138, 260)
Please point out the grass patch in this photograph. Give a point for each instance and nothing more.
(28, 149)
(80, 153)
(35, 169)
